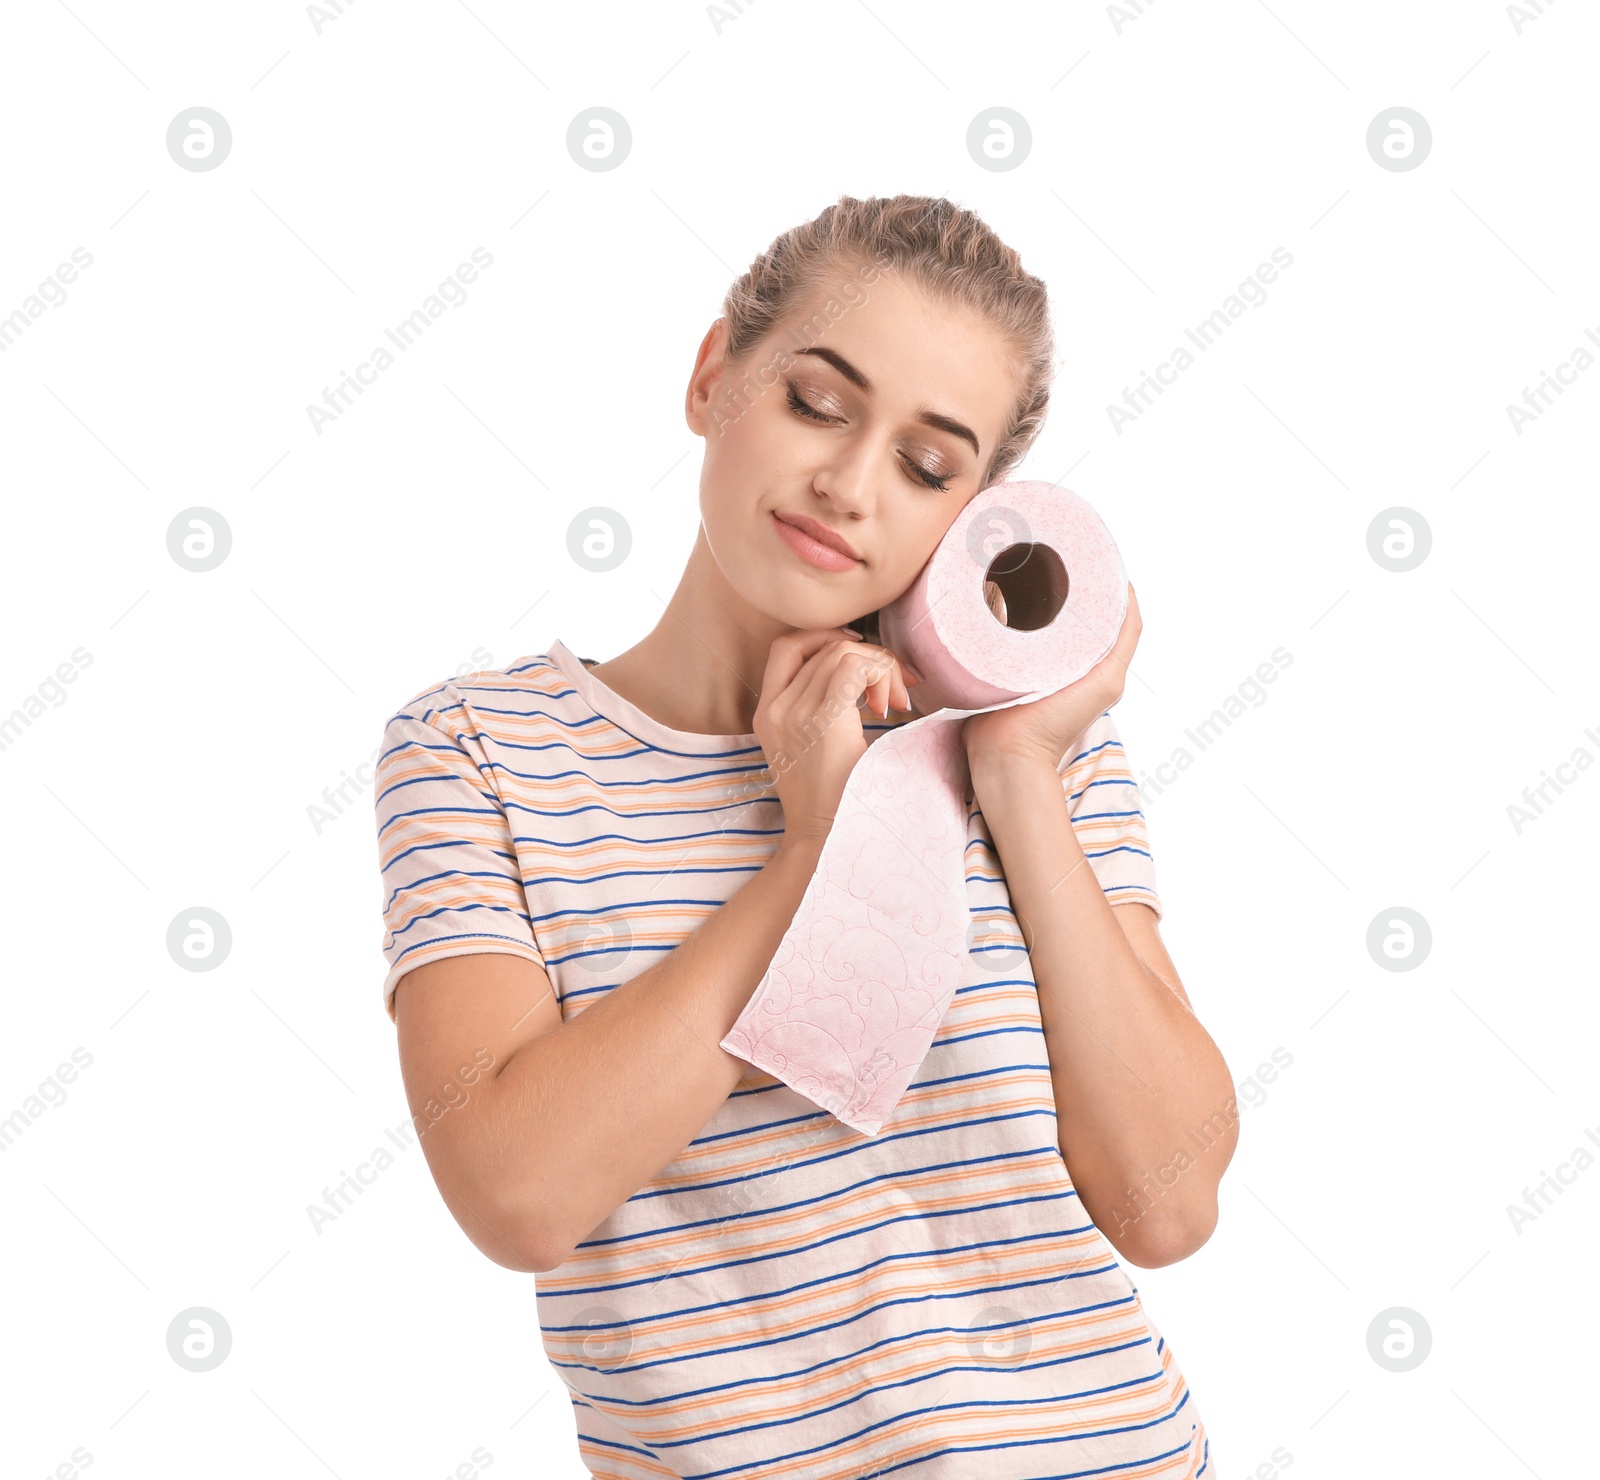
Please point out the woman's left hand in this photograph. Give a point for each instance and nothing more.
(1048, 727)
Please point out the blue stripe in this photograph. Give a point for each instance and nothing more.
(639, 873)
(441, 939)
(893, 1175)
(844, 1358)
(584, 842)
(1131, 1428)
(1093, 749)
(983, 1291)
(772, 1125)
(462, 909)
(856, 1149)
(645, 781)
(701, 811)
(439, 812)
(449, 873)
(678, 1271)
(968, 1403)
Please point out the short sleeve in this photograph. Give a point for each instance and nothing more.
(1108, 816)
(451, 881)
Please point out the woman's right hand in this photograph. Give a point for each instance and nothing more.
(808, 722)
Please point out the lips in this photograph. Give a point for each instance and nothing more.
(819, 532)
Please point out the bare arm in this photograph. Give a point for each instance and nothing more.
(1144, 1098)
(571, 1119)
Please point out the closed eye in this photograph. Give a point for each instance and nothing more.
(923, 476)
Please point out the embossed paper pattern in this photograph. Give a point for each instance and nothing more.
(867, 968)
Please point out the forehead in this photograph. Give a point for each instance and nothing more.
(916, 351)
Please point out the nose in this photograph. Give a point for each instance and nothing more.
(846, 480)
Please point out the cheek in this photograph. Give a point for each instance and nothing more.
(909, 545)
(750, 435)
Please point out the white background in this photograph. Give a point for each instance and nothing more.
(425, 531)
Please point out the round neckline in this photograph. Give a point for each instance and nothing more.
(626, 716)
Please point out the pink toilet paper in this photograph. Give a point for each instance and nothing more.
(868, 966)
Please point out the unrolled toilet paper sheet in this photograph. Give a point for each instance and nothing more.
(868, 966)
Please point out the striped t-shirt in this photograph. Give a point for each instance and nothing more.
(787, 1299)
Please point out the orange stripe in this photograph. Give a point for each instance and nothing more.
(846, 1380)
(940, 1263)
(722, 1245)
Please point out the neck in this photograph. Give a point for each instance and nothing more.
(700, 668)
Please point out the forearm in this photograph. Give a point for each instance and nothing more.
(1137, 1079)
(602, 1103)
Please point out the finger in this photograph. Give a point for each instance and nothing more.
(877, 672)
(1128, 634)
(1117, 660)
(825, 676)
(869, 669)
(874, 669)
(891, 690)
(791, 652)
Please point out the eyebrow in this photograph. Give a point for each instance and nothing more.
(927, 418)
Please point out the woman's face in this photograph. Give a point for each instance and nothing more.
(865, 428)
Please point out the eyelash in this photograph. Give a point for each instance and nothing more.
(923, 476)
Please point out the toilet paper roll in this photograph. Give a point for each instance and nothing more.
(867, 967)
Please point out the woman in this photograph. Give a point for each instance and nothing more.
(588, 867)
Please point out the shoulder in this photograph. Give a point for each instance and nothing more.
(488, 702)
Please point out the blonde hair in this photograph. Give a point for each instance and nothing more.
(945, 250)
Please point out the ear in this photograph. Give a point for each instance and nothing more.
(708, 368)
